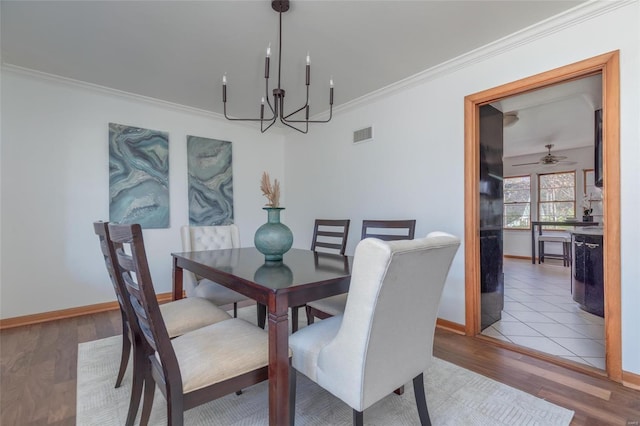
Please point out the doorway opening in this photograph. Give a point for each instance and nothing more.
(607, 65)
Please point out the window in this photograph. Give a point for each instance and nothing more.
(517, 202)
(556, 196)
(593, 196)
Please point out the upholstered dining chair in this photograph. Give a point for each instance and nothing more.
(215, 237)
(180, 316)
(198, 366)
(393, 303)
(386, 230)
(329, 236)
(196, 238)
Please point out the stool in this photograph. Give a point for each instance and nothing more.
(566, 248)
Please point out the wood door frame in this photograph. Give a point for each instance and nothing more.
(608, 66)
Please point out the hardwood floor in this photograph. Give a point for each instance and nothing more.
(38, 374)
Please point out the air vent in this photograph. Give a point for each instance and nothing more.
(363, 135)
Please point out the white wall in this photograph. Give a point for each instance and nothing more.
(518, 242)
(414, 167)
(55, 183)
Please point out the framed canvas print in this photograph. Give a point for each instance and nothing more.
(138, 176)
(210, 181)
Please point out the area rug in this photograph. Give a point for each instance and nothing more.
(455, 396)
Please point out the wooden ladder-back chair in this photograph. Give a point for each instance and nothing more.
(180, 316)
(198, 366)
(386, 230)
(329, 236)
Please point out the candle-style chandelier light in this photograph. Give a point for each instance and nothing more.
(277, 108)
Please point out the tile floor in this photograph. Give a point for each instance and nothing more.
(540, 313)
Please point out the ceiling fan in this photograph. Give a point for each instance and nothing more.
(549, 159)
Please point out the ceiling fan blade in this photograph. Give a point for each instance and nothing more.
(559, 157)
(526, 164)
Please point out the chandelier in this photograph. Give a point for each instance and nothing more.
(277, 107)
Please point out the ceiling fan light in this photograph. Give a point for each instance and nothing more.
(509, 119)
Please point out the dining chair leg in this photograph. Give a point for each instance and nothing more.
(235, 309)
(294, 318)
(358, 419)
(126, 350)
(421, 400)
(310, 317)
(262, 314)
(540, 252)
(147, 403)
(137, 384)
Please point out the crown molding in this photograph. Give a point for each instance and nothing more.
(15, 69)
(569, 18)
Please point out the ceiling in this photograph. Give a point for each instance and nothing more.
(178, 51)
(562, 115)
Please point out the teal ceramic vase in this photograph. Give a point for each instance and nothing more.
(273, 239)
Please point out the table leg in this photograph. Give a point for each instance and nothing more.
(177, 280)
(278, 361)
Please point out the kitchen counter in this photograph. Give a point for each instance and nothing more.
(587, 230)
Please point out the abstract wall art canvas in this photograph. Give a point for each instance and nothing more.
(138, 176)
(210, 181)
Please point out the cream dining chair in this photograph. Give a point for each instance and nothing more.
(197, 238)
(393, 303)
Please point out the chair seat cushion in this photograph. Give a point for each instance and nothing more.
(554, 238)
(219, 352)
(217, 293)
(307, 343)
(333, 305)
(191, 313)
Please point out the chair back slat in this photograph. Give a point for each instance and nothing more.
(108, 253)
(330, 246)
(398, 229)
(330, 234)
(135, 273)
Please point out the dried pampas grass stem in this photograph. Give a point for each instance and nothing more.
(272, 192)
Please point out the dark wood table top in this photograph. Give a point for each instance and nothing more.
(298, 267)
(243, 269)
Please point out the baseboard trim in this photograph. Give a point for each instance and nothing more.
(67, 313)
(451, 326)
(513, 256)
(631, 380)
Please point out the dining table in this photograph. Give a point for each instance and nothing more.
(302, 276)
(540, 224)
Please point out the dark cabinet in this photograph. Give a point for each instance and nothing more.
(587, 278)
(490, 188)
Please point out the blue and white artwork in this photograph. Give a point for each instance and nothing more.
(138, 176)
(210, 181)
